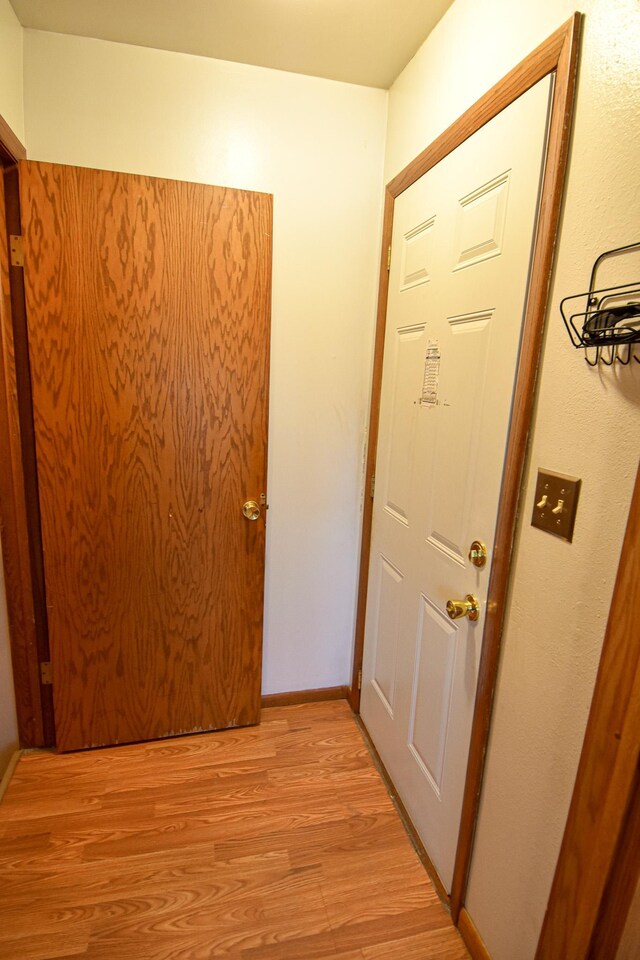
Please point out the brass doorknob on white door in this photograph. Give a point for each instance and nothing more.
(251, 510)
(469, 607)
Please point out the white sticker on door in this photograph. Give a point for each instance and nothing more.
(429, 397)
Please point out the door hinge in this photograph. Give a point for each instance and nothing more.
(45, 673)
(359, 679)
(373, 486)
(16, 250)
(389, 258)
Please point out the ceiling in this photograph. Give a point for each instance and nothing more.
(358, 41)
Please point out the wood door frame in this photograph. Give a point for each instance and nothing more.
(31, 535)
(11, 149)
(33, 701)
(558, 55)
(599, 862)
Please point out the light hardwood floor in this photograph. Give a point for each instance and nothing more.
(276, 842)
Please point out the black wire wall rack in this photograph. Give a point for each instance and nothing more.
(605, 322)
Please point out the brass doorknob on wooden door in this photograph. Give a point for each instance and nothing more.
(251, 510)
(469, 607)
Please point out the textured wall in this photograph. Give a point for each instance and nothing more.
(587, 423)
(11, 102)
(318, 147)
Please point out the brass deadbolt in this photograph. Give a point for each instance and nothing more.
(478, 553)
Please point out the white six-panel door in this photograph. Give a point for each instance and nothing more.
(461, 251)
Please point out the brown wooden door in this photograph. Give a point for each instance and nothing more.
(148, 305)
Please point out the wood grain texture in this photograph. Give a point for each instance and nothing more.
(559, 53)
(276, 842)
(622, 883)
(14, 526)
(29, 461)
(606, 782)
(148, 305)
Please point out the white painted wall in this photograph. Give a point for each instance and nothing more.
(11, 45)
(587, 424)
(11, 110)
(317, 145)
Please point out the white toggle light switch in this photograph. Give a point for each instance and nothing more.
(559, 508)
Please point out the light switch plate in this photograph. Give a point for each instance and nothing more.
(555, 503)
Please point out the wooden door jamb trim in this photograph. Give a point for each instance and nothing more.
(557, 55)
(472, 939)
(622, 883)
(26, 472)
(11, 149)
(13, 506)
(605, 795)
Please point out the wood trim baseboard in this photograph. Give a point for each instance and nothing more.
(304, 696)
(7, 775)
(407, 822)
(472, 939)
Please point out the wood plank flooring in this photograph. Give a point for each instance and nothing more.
(276, 842)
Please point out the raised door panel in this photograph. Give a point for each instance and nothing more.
(432, 688)
(461, 251)
(453, 436)
(402, 422)
(387, 628)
